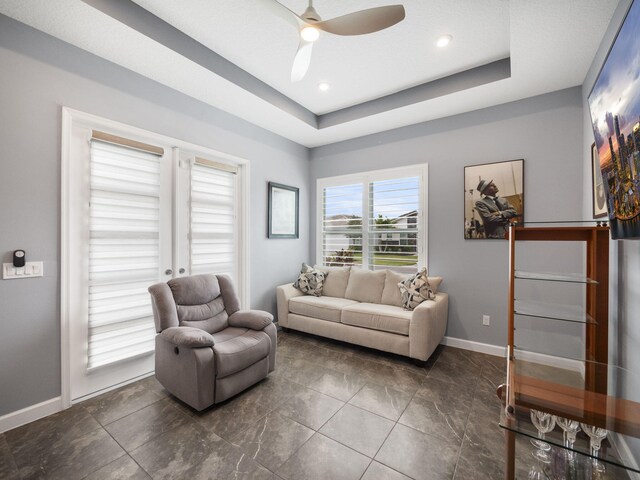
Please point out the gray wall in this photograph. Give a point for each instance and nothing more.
(39, 75)
(546, 131)
(624, 291)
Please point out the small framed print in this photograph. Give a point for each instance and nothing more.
(283, 211)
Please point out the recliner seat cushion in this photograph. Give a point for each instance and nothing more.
(241, 352)
(211, 316)
(324, 308)
(386, 318)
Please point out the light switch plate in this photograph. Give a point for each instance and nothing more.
(30, 270)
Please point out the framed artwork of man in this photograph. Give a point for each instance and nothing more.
(493, 198)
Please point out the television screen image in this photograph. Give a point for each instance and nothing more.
(614, 103)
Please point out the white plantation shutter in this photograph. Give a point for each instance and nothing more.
(394, 223)
(124, 252)
(213, 224)
(342, 225)
(393, 233)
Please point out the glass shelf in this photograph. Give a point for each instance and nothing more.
(593, 393)
(555, 277)
(555, 311)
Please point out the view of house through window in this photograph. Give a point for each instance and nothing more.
(374, 220)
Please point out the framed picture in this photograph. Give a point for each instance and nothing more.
(493, 198)
(599, 198)
(283, 211)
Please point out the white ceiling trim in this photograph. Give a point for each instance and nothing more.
(552, 45)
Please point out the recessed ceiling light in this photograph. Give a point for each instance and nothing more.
(324, 86)
(443, 40)
(310, 34)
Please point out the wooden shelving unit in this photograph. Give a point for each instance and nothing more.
(591, 404)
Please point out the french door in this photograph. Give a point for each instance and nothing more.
(137, 210)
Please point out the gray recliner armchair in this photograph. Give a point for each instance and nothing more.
(207, 349)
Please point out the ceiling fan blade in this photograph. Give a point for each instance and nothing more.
(301, 61)
(364, 21)
(283, 12)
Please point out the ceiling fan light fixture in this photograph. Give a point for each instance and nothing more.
(309, 33)
(443, 40)
(323, 86)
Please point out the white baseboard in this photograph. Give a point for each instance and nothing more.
(475, 346)
(541, 358)
(30, 414)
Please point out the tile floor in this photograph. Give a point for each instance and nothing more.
(329, 411)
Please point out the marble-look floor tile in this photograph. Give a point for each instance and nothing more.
(152, 383)
(322, 458)
(338, 385)
(447, 396)
(461, 373)
(38, 436)
(8, 467)
(119, 403)
(378, 471)
(418, 455)
(175, 452)
(145, 424)
(299, 370)
(72, 458)
(310, 408)
(385, 401)
(272, 440)
(123, 467)
(233, 415)
(471, 464)
(227, 462)
(358, 429)
(425, 415)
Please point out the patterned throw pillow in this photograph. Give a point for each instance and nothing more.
(310, 281)
(415, 290)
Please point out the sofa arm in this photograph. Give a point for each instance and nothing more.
(284, 293)
(253, 319)
(187, 337)
(427, 326)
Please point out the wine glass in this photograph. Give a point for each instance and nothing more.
(596, 435)
(544, 423)
(570, 429)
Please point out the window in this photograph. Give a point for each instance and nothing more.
(138, 208)
(376, 219)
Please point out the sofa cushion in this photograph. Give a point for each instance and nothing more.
(391, 294)
(365, 285)
(335, 280)
(386, 318)
(324, 308)
(416, 289)
(310, 281)
(241, 352)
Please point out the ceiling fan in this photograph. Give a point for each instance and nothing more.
(309, 25)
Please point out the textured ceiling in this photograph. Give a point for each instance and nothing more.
(550, 44)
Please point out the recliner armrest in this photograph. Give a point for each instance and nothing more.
(253, 319)
(187, 337)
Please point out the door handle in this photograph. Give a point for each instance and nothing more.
(168, 271)
(182, 270)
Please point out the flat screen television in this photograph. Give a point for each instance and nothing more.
(614, 103)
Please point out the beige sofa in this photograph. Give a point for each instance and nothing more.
(365, 308)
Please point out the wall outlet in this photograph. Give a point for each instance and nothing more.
(486, 320)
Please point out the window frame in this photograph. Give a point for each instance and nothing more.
(366, 178)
